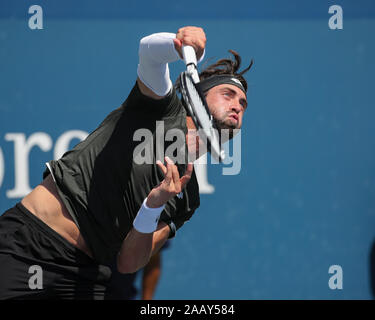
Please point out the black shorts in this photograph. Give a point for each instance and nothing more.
(37, 263)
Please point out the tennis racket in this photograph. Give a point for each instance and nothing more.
(197, 106)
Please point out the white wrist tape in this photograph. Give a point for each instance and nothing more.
(147, 218)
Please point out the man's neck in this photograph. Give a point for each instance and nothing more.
(195, 145)
(190, 124)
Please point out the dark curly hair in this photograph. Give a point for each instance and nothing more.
(224, 66)
(227, 66)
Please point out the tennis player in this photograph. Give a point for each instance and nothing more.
(95, 205)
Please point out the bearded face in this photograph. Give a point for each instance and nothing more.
(227, 104)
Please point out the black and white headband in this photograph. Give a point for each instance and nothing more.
(216, 80)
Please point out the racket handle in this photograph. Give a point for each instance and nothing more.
(189, 55)
(190, 59)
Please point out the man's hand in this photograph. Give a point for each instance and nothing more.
(190, 36)
(170, 186)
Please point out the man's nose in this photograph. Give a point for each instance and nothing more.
(236, 107)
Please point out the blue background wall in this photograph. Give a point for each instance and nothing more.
(305, 197)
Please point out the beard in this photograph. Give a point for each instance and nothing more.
(226, 126)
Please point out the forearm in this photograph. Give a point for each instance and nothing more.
(151, 275)
(155, 52)
(137, 248)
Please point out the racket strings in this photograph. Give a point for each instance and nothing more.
(197, 108)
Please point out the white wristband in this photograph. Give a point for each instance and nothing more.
(147, 218)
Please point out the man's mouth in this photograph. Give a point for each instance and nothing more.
(234, 116)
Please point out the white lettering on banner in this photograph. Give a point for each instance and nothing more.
(62, 143)
(23, 146)
(22, 149)
(36, 20)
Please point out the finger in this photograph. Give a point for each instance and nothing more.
(197, 43)
(191, 41)
(186, 177)
(187, 34)
(176, 179)
(162, 167)
(168, 160)
(169, 175)
(177, 42)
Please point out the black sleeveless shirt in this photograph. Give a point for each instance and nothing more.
(103, 187)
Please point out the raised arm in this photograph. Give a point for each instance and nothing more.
(159, 49)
